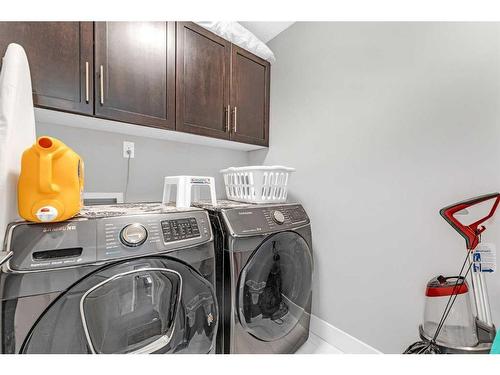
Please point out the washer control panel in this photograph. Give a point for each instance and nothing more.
(149, 234)
(255, 220)
(87, 241)
(180, 229)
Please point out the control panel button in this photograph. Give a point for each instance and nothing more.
(296, 214)
(278, 217)
(133, 235)
(180, 229)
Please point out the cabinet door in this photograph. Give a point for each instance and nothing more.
(60, 60)
(249, 97)
(203, 75)
(135, 72)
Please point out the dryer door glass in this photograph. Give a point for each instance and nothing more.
(149, 305)
(274, 288)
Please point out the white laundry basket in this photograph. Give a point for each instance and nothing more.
(257, 184)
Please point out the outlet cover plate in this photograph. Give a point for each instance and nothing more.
(128, 146)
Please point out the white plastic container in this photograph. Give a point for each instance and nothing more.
(257, 184)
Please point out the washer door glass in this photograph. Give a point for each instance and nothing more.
(275, 286)
(132, 312)
(151, 305)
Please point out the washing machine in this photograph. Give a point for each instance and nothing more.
(130, 278)
(264, 268)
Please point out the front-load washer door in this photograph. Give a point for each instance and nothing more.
(275, 286)
(150, 305)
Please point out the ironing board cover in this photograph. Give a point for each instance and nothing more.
(17, 128)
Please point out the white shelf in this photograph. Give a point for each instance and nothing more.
(47, 116)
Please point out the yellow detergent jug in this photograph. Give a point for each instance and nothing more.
(51, 182)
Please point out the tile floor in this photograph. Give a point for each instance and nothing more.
(316, 345)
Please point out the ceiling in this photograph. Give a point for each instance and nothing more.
(266, 31)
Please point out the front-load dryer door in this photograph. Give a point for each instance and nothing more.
(274, 287)
(151, 305)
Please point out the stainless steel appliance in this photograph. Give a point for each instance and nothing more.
(129, 278)
(264, 272)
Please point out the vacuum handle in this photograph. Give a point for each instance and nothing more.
(472, 231)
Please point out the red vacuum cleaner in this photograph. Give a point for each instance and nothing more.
(453, 322)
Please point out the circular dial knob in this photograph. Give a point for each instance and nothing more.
(278, 217)
(133, 235)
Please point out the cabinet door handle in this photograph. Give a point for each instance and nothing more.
(228, 117)
(235, 119)
(102, 83)
(86, 81)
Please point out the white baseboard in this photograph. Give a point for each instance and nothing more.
(339, 339)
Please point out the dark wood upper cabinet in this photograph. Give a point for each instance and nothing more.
(203, 81)
(135, 72)
(170, 75)
(222, 90)
(60, 56)
(249, 97)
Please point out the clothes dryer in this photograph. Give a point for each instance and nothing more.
(264, 267)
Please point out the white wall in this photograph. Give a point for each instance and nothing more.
(106, 169)
(386, 123)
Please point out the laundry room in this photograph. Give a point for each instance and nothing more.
(296, 183)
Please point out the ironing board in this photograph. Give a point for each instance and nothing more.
(17, 128)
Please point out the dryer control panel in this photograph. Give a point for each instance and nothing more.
(254, 220)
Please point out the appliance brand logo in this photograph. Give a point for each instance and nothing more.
(245, 213)
(200, 181)
(61, 228)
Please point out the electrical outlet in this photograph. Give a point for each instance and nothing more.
(128, 147)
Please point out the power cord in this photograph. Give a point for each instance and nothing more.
(129, 153)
